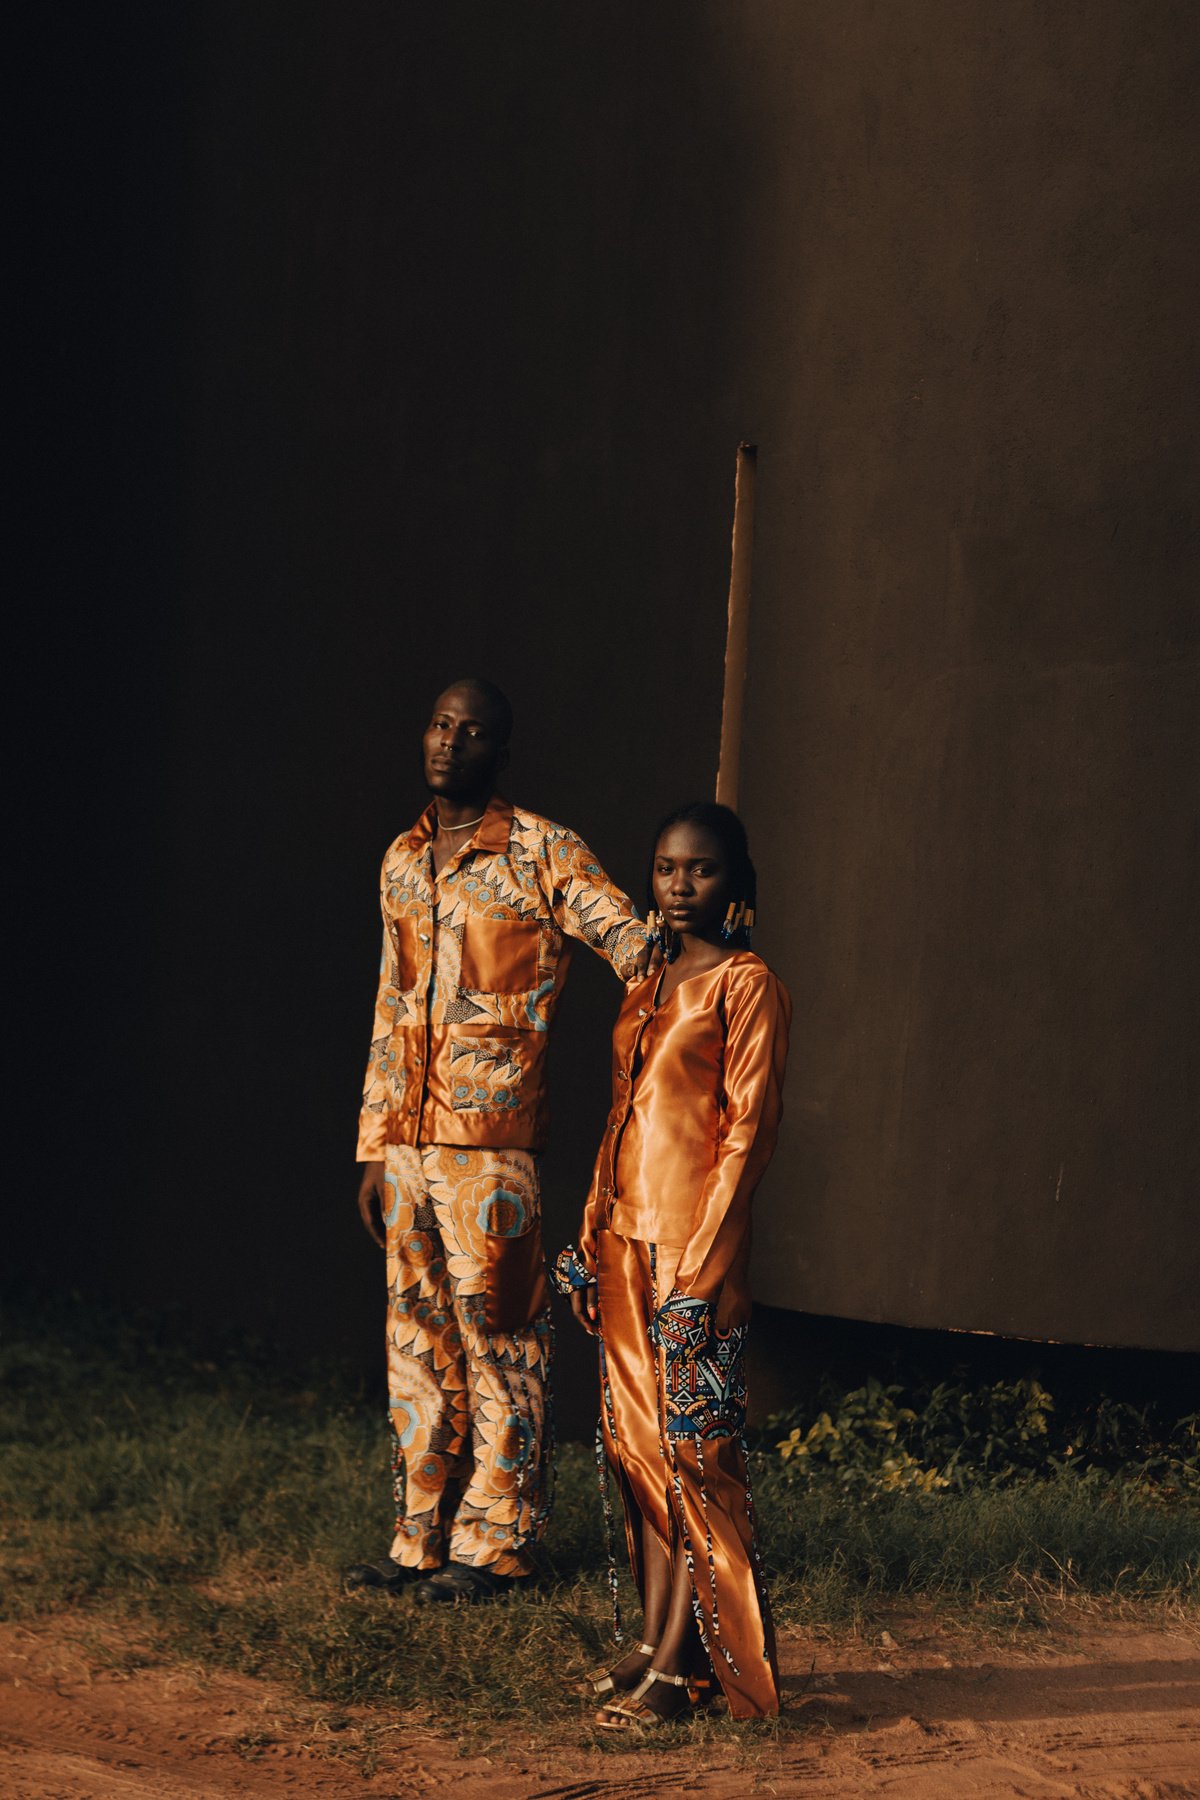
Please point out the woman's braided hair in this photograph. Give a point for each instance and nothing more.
(730, 833)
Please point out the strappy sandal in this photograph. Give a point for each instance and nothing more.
(600, 1681)
(635, 1715)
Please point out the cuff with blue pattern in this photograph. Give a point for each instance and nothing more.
(570, 1272)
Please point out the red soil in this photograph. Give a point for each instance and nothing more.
(1095, 1708)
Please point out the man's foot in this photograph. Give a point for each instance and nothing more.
(387, 1574)
(466, 1583)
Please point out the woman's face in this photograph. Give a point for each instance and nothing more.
(691, 881)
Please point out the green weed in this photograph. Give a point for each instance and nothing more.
(881, 1439)
(211, 1506)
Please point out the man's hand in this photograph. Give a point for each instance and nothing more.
(370, 1201)
(583, 1305)
(647, 962)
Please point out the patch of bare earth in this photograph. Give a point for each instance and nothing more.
(1096, 1707)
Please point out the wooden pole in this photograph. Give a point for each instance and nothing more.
(737, 626)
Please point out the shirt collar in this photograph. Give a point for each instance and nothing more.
(491, 834)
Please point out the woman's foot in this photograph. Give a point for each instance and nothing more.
(623, 1676)
(658, 1699)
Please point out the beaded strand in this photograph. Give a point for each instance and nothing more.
(760, 1577)
(712, 1566)
(686, 1542)
(602, 1472)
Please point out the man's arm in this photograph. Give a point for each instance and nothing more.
(589, 907)
(371, 1128)
(370, 1201)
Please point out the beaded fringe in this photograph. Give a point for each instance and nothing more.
(399, 1481)
(605, 1491)
(760, 1578)
(690, 1560)
(666, 1451)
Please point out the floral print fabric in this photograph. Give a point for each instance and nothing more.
(468, 1407)
(474, 959)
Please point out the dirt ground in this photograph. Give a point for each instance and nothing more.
(1094, 1707)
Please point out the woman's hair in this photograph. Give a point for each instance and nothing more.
(730, 833)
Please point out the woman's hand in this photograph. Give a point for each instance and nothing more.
(583, 1305)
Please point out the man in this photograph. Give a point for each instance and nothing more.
(480, 902)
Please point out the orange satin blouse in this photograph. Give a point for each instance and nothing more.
(697, 1099)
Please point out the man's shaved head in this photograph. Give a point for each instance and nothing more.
(496, 700)
(466, 739)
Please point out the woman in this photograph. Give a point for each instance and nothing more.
(660, 1275)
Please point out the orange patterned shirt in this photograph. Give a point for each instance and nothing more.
(473, 963)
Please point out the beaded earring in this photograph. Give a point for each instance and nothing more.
(738, 917)
(659, 932)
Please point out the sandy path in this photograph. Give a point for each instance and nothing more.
(1093, 1709)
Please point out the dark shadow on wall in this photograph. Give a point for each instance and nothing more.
(404, 342)
(797, 1358)
(382, 342)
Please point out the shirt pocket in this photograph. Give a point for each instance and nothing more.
(485, 1075)
(402, 934)
(499, 956)
(516, 1289)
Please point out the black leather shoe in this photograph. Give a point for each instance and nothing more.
(465, 1583)
(391, 1576)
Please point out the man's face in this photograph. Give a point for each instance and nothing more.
(463, 753)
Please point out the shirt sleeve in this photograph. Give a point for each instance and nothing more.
(378, 1086)
(589, 907)
(758, 1013)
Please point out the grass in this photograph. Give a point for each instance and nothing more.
(210, 1506)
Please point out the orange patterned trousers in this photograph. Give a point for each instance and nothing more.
(468, 1408)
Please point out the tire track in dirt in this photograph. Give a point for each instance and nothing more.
(1094, 1710)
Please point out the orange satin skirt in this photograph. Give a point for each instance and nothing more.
(694, 1492)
